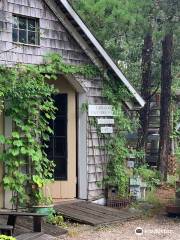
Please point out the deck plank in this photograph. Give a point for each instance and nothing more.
(29, 236)
(93, 214)
(35, 236)
(104, 210)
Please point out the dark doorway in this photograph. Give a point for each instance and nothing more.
(57, 146)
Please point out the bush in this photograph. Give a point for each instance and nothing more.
(151, 177)
(3, 237)
(153, 199)
(55, 220)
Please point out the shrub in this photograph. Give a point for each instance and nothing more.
(55, 220)
(151, 177)
(3, 237)
(153, 199)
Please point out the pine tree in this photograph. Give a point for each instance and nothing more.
(170, 8)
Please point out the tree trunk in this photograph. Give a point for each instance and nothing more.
(165, 109)
(146, 89)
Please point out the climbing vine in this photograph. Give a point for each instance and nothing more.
(117, 172)
(116, 145)
(27, 99)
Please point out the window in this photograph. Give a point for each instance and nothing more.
(25, 30)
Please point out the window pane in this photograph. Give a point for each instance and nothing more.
(22, 23)
(61, 104)
(22, 36)
(60, 171)
(31, 37)
(60, 124)
(31, 24)
(15, 22)
(59, 147)
(15, 35)
(37, 38)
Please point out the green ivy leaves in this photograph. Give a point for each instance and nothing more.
(3, 237)
(2, 139)
(29, 103)
(116, 145)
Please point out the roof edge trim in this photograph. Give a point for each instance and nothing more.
(101, 50)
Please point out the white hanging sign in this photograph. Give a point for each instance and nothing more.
(105, 121)
(100, 111)
(106, 129)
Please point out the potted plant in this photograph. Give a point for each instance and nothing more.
(45, 206)
(39, 201)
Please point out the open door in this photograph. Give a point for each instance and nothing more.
(62, 145)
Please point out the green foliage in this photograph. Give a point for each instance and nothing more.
(3, 237)
(121, 26)
(57, 220)
(117, 172)
(148, 175)
(43, 200)
(26, 95)
(54, 64)
(28, 101)
(153, 199)
(178, 172)
(176, 131)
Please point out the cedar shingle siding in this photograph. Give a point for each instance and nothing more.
(53, 38)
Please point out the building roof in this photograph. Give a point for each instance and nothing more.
(93, 43)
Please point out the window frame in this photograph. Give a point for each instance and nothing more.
(36, 30)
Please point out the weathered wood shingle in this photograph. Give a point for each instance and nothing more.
(53, 38)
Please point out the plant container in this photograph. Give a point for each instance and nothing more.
(173, 210)
(43, 209)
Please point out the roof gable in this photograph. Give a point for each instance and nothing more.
(76, 27)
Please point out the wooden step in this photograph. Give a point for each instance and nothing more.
(29, 236)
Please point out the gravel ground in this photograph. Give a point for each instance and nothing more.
(156, 228)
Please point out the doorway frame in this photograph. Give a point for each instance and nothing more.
(81, 152)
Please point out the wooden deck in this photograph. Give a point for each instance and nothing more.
(93, 214)
(23, 230)
(24, 225)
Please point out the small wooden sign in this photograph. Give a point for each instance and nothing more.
(106, 129)
(105, 121)
(100, 111)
